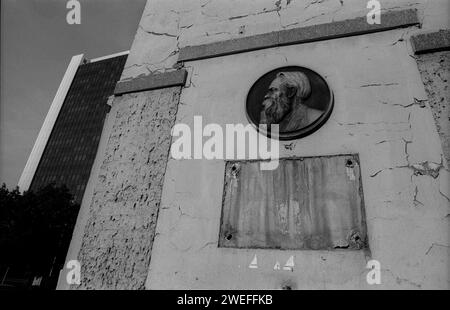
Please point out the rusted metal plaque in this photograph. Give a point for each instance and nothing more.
(311, 203)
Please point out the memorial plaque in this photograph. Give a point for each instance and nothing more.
(311, 203)
(296, 98)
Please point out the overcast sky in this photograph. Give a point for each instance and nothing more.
(36, 47)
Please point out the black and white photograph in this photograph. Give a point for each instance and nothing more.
(225, 151)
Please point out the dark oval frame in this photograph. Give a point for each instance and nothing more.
(320, 91)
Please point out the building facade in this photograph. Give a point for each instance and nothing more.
(378, 176)
(67, 144)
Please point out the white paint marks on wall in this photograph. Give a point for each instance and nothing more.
(254, 263)
(350, 173)
(277, 266)
(289, 266)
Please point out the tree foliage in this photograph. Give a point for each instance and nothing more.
(36, 228)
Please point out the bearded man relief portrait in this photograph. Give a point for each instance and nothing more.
(296, 98)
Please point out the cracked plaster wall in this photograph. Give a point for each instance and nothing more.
(381, 112)
(167, 25)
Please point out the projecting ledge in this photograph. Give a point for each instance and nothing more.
(152, 81)
(431, 42)
(351, 27)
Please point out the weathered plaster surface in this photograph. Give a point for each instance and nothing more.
(435, 71)
(300, 35)
(167, 25)
(118, 236)
(381, 112)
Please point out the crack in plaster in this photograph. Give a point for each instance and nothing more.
(402, 280)
(379, 84)
(436, 244)
(157, 33)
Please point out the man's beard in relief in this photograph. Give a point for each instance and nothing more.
(275, 113)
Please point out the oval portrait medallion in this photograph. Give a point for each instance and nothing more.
(296, 98)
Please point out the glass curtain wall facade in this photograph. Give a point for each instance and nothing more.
(70, 151)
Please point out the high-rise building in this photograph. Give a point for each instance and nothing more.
(66, 146)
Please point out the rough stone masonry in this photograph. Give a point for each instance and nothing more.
(435, 71)
(122, 219)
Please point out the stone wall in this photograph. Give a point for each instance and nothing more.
(118, 237)
(435, 71)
